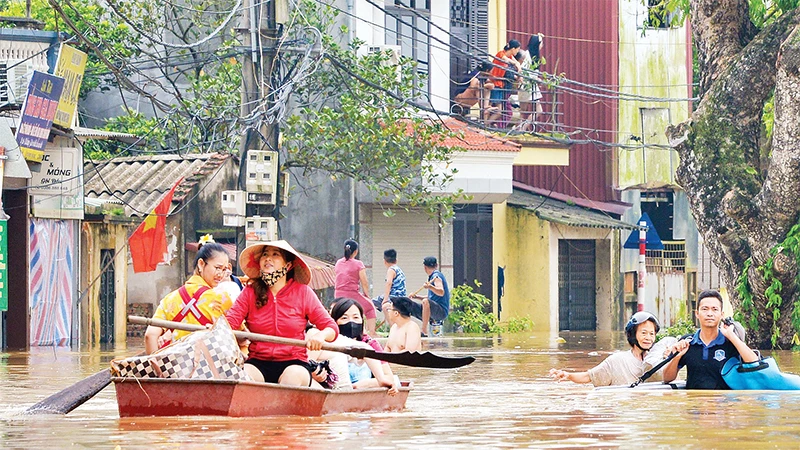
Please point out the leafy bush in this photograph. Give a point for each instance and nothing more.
(469, 313)
(683, 326)
(518, 325)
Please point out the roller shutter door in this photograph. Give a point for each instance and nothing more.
(414, 235)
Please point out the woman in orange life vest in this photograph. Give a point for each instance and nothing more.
(195, 302)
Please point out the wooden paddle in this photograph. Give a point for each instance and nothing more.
(69, 398)
(415, 359)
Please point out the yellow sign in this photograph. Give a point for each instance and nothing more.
(70, 65)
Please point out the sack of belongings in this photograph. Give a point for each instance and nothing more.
(210, 354)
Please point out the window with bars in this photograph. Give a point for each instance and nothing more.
(411, 32)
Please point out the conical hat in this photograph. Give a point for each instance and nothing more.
(249, 260)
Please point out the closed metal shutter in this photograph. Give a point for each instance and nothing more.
(414, 235)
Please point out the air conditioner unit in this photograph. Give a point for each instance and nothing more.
(262, 173)
(260, 229)
(15, 76)
(233, 203)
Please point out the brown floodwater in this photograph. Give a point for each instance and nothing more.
(503, 400)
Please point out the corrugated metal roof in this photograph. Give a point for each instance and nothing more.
(581, 41)
(91, 133)
(557, 211)
(140, 182)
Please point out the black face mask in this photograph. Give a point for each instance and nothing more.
(352, 330)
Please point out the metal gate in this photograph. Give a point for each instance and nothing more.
(107, 296)
(576, 285)
(472, 247)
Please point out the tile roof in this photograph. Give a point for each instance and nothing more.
(556, 211)
(475, 139)
(140, 182)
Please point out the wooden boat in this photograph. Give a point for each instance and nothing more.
(138, 397)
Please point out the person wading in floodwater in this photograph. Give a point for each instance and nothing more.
(622, 367)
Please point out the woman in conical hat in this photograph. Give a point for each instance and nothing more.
(279, 302)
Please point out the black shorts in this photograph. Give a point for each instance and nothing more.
(272, 370)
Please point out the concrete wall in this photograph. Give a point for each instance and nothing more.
(527, 247)
(522, 246)
(317, 219)
(652, 63)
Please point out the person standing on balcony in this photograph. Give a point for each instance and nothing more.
(503, 61)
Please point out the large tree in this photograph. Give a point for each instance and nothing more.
(743, 178)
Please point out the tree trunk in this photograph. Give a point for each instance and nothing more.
(742, 211)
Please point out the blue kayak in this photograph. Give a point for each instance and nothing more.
(760, 375)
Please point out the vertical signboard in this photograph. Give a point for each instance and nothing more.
(3, 265)
(38, 111)
(57, 188)
(70, 66)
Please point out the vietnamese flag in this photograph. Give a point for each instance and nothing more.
(149, 242)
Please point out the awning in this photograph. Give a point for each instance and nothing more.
(557, 211)
(322, 273)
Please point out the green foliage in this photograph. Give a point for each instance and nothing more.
(683, 326)
(470, 312)
(518, 325)
(774, 290)
(357, 121)
(119, 42)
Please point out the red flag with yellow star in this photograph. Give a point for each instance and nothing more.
(148, 243)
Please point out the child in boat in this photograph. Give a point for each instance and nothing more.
(712, 345)
(279, 302)
(623, 367)
(196, 302)
(404, 336)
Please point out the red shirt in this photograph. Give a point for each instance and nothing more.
(499, 72)
(284, 315)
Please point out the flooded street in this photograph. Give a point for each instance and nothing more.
(503, 400)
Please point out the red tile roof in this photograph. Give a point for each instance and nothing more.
(475, 139)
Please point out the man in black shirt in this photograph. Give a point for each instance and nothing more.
(712, 345)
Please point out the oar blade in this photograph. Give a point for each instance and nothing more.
(64, 401)
(424, 359)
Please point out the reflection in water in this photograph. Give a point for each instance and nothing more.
(503, 400)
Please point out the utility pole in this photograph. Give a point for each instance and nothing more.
(259, 33)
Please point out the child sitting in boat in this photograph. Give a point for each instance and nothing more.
(623, 367)
(279, 302)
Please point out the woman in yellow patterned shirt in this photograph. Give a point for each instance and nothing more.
(195, 302)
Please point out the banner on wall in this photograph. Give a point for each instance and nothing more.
(57, 188)
(70, 66)
(38, 111)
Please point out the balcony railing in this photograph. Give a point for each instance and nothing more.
(671, 259)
